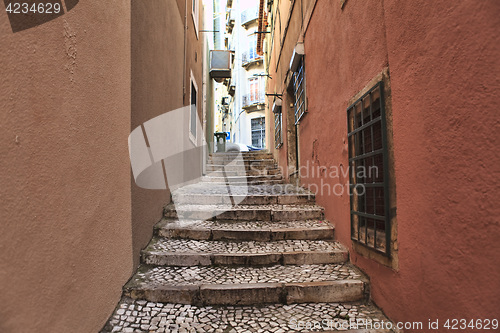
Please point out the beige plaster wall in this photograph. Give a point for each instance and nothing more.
(65, 240)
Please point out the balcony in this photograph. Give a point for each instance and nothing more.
(249, 16)
(253, 103)
(230, 20)
(250, 58)
(220, 64)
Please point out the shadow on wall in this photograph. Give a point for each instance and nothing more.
(31, 13)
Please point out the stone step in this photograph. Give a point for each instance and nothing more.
(226, 159)
(245, 212)
(240, 162)
(239, 179)
(143, 316)
(252, 182)
(217, 189)
(240, 167)
(255, 155)
(243, 172)
(188, 252)
(218, 194)
(244, 230)
(207, 199)
(247, 285)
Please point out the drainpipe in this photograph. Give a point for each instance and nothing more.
(185, 52)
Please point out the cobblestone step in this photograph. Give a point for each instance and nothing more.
(241, 161)
(245, 212)
(217, 189)
(247, 285)
(211, 199)
(249, 154)
(250, 182)
(183, 252)
(236, 179)
(230, 157)
(244, 230)
(134, 316)
(244, 172)
(240, 167)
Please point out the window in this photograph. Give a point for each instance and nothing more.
(258, 132)
(368, 174)
(250, 55)
(253, 89)
(252, 47)
(255, 93)
(278, 140)
(194, 14)
(193, 114)
(299, 87)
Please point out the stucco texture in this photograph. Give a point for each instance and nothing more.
(157, 43)
(158, 47)
(65, 244)
(443, 59)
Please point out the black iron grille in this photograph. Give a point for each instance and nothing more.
(368, 174)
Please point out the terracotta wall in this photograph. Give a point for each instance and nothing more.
(65, 244)
(445, 87)
(291, 21)
(443, 62)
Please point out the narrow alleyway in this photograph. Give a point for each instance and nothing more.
(267, 263)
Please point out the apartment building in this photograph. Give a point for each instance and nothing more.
(247, 84)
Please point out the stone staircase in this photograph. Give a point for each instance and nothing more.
(242, 251)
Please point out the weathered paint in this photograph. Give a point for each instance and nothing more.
(65, 245)
(443, 59)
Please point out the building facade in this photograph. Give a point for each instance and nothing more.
(247, 83)
(367, 100)
(72, 90)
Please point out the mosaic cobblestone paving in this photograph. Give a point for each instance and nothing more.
(247, 225)
(276, 189)
(202, 246)
(195, 275)
(141, 316)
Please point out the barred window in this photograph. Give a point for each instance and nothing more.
(299, 91)
(278, 140)
(368, 174)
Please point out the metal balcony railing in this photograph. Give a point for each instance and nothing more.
(252, 99)
(249, 57)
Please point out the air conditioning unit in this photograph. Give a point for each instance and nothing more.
(220, 64)
(298, 54)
